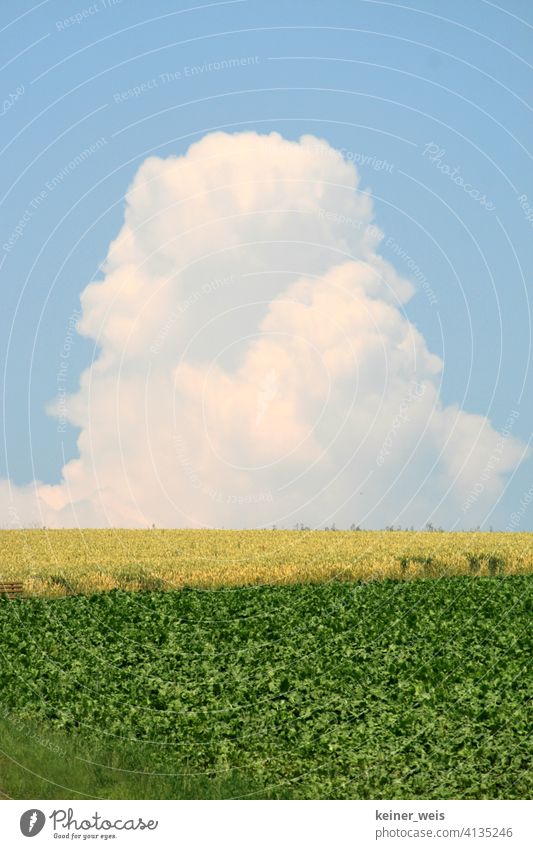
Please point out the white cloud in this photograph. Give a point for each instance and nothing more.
(255, 364)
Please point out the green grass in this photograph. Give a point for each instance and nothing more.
(380, 690)
(37, 762)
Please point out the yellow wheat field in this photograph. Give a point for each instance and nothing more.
(55, 563)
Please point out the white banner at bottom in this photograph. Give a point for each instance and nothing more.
(263, 825)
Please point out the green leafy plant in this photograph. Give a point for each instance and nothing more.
(390, 689)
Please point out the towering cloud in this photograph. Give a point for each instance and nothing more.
(255, 364)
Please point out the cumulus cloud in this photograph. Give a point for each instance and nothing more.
(255, 364)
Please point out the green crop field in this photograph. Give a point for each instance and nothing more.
(384, 689)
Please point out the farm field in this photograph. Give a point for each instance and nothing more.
(379, 689)
(58, 563)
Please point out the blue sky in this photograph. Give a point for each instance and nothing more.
(417, 96)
